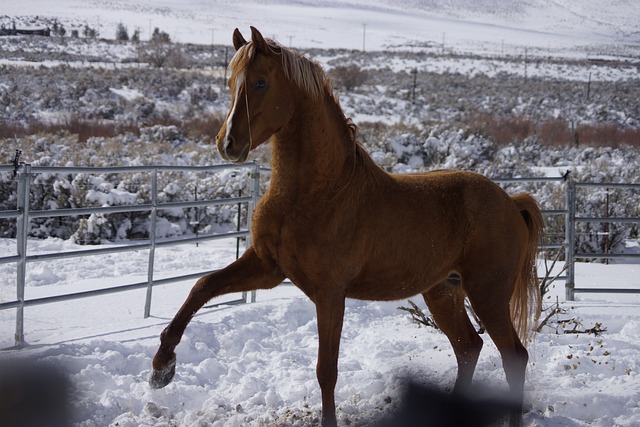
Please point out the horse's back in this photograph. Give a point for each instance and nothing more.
(472, 200)
(423, 227)
(459, 195)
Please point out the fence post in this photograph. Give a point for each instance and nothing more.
(22, 230)
(152, 241)
(570, 229)
(255, 195)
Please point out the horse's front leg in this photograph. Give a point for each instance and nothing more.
(330, 313)
(247, 273)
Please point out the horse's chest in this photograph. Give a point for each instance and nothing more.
(286, 237)
(302, 244)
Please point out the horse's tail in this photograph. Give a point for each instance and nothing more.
(525, 301)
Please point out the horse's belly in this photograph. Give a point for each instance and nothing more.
(391, 288)
(374, 293)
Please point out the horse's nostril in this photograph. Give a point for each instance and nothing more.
(228, 143)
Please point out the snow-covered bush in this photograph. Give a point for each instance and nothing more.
(156, 145)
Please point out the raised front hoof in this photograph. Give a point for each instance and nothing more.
(159, 378)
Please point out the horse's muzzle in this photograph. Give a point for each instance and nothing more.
(232, 151)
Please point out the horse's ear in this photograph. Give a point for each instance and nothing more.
(258, 40)
(238, 39)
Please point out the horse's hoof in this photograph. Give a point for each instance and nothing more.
(160, 378)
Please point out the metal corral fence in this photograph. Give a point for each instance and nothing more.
(574, 220)
(25, 172)
(571, 223)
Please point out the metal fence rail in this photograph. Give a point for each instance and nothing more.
(23, 173)
(22, 214)
(575, 220)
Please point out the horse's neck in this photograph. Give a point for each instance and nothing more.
(313, 154)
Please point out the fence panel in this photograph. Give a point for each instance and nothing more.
(24, 174)
(607, 234)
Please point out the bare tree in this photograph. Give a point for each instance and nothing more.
(160, 52)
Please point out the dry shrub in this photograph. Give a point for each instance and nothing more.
(348, 76)
(11, 130)
(89, 128)
(200, 127)
(501, 130)
(513, 129)
(83, 128)
(607, 134)
(204, 127)
(551, 132)
(554, 132)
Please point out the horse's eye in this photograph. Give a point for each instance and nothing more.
(261, 84)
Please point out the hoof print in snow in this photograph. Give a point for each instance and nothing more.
(153, 410)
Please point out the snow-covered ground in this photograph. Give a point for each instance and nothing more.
(254, 364)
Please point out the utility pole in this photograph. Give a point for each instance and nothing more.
(364, 36)
(415, 81)
(213, 48)
(525, 64)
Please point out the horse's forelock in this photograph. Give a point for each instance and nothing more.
(306, 73)
(241, 59)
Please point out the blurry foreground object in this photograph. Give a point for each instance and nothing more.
(33, 395)
(427, 407)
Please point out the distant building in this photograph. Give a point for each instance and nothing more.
(24, 32)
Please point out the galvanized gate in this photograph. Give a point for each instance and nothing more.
(24, 174)
(575, 218)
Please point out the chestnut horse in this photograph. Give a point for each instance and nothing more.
(339, 227)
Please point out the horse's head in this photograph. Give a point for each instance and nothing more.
(261, 100)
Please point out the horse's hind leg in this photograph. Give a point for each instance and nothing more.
(495, 316)
(446, 303)
(247, 273)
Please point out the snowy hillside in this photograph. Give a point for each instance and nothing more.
(492, 25)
